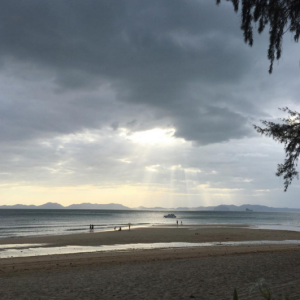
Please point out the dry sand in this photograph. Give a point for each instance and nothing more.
(203, 273)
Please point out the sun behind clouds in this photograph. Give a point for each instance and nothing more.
(152, 136)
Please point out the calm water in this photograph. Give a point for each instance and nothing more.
(16, 223)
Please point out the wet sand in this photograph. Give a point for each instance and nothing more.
(200, 272)
(165, 234)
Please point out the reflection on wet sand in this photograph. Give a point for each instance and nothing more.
(26, 250)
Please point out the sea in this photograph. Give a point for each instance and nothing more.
(44, 222)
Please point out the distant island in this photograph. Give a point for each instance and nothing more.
(114, 206)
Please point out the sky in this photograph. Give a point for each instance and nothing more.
(139, 102)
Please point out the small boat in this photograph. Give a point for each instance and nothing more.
(169, 216)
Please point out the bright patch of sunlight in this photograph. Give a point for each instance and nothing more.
(176, 167)
(125, 160)
(151, 137)
(152, 168)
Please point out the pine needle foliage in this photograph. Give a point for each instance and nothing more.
(280, 16)
(288, 133)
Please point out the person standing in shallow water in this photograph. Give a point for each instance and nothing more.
(129, 224)
(177, 222)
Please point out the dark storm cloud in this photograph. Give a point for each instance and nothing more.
(215, 124)
(153, 55)
(115, 38)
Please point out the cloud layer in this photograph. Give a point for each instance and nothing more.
(75, 75)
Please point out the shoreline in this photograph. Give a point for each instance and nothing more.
(159, 225)
(78, 235)
(125, 227)
(160, 234)
(104, 228)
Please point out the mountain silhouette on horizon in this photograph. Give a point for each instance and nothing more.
(116, 206)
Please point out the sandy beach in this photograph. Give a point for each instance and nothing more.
(182, 273)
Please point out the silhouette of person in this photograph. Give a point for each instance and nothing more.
(129, 224)
(177, 222)
(120, 229)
